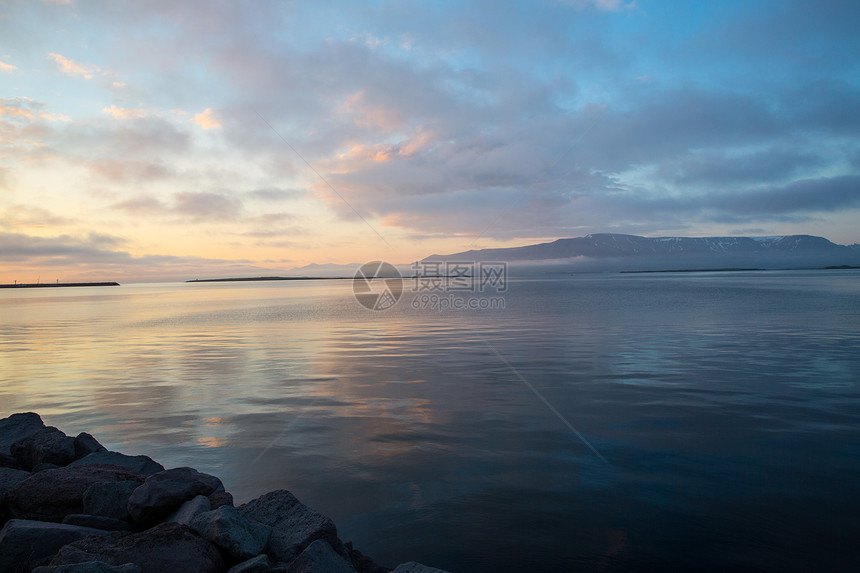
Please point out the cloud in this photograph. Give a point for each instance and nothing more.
(206, 119)
(126, 171)
(198, 207)
(141, 205)
(4, 67)
(436, 120)
(26, 216)
(721, 168)
(73, 68)
(26, 108)
(274, 194)
(6, 178)
(62, 249)
(103, 257)
(207, 206)
(18, 107)
(824, 194)
(123, 113)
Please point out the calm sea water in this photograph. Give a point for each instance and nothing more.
(725, 406)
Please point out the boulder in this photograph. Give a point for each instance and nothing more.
(361, 562)
(47, 445)
(242, 538)
(25, 544)
(109, 498)
(413, 567)
(188, 510)
(143, 465)
(319, 557)
(97, 522)
(162, 493)
(85, 445)
(7, 461)
(17, 427)
(258, 564)
(220, 498)
(294, 525)
(165, 547)
(88, 567)
(44, 466)
(53, 494)
(9, 478)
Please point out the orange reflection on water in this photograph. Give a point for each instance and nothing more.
(212, 442)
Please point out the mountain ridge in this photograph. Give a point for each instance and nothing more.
(616, 245)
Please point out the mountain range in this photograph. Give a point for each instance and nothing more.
(614, 251)
(602, 245)
(604, 251)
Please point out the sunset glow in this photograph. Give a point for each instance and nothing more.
(164, 141)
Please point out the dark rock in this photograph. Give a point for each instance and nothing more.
(109, 498)
(143, 465)
(220, 498)
(162, 493)
(97, 522)
(44, 466)
(190, 509)
(53, 494)
(413, 567)
(9, 478)
(88, 567)
(361, 562)
(165, 547)
(319, 557)
(25, 544)
(47, 445)
(294, 525)
(85, 445)
(241, 537)
(258, 564)
(7, 461)
(17, 427)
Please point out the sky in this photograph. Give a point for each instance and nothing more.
(164, 140)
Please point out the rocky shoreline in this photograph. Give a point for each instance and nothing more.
(67, 505)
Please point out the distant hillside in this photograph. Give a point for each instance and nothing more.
(627, 250)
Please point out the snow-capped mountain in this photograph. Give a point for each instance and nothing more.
(761, 251)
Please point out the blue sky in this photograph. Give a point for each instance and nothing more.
(142, 141)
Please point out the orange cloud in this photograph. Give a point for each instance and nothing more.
(379, 153)
(7, 67)
(366, 115)
(124, 113)
(54, 116)
(384, 152)
(206, 120)
(14, 111)
(73, 68)
(15, 107)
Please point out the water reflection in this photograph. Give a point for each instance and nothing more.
(726, 405)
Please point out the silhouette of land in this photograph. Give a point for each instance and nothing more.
(239, 279)
(57, 285)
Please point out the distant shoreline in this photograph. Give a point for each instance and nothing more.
(247, 279)
(726, 270)
(58, 285)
